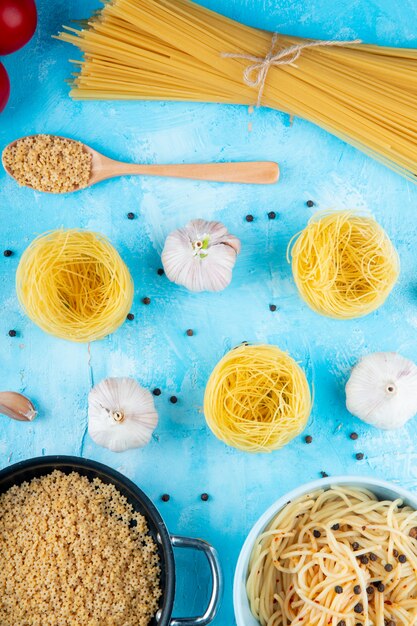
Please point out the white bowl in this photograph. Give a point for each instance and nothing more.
(381, 488)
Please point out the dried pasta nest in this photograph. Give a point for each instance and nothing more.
(257, 398)
(73, 284)
(344, 264)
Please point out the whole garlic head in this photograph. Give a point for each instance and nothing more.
(121, 414)
(200, 256)
(382, 390)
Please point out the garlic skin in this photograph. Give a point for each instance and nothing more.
(382, 390)
(17, 406)
(121, 414)
(200, 256)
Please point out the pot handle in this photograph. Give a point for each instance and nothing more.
(217, 580)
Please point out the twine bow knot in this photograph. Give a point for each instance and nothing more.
(255, 75)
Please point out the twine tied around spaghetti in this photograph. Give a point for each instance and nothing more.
(255, 74)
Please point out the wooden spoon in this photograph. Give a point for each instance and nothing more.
(255, 172)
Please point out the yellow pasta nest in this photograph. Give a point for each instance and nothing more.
(73, 284)
(257, 398)
(344, 264)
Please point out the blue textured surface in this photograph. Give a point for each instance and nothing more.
(184, 459)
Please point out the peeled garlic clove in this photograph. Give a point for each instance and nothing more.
(121, 414)
(382, 390)
(17, 406)
(201, 256)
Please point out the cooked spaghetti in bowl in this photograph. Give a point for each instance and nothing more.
(337, 555)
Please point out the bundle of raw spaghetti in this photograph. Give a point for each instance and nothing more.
(178, 50)
(257, 398)
(344, 264)
(73, 284)
(338, 557)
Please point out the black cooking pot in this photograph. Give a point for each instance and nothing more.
(34, 468)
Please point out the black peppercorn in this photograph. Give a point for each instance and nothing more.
(358, 608)
(156, 392)
(249, 218)
(272, 215)
(7, 253)
(359, 456)
(355, 545)
(12, 333)
(310, 203)
(364, 560)
(356, 590)
(388, 567)
(130, 317)
(190, 332)
(341, 623)
(173, 399)
(373, 556)
(338, 589)
(204, 497)
(160, 272)
(130, 216)
(370, 590)
(395, 553)
(272, 307)
(381, 587)
(335, 526)
(316, 533)
(146, 300)
(354, 436)
(165, 497)
(308, 439)
(402, 558)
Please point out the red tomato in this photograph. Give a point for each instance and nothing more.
(4, 87)
(18, 19)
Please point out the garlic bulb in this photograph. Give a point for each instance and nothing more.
(121, 414)
(17, 406)
(200, 256)
(382, 390)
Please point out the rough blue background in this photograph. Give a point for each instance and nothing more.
(184, 459)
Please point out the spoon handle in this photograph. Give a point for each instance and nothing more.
(255, 172)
